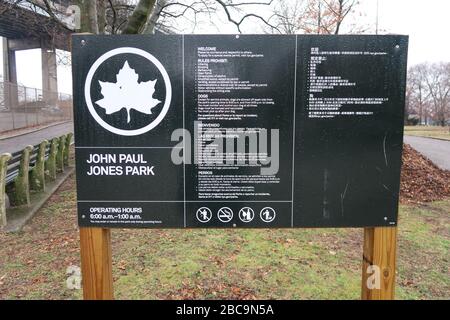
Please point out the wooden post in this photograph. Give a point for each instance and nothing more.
(60, 154)
(96, 264)
(50, 163)
(21, 192)
(67, 149)
(4, 158)
(37, 181)
(379, 261)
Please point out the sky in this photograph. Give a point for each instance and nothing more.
(426, 23)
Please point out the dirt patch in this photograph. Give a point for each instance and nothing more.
(210, 289)
(223, 264)
(33, 262)
(421, 180)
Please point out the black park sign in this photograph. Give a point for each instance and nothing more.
(242, 131)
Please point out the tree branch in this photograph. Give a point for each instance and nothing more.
(113, 9)
(226, 6)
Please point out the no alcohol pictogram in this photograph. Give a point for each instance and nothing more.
(246, 214)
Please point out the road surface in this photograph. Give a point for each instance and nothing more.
(436, 150)
(19, 142)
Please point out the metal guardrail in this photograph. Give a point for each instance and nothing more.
(22, 107)
(28, 169)
(14, 164)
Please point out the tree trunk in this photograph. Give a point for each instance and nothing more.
(101, 16)
(319, 18)
(138, 19)
(154, 16)
(88, 12)
(339, 17)
(420, 106)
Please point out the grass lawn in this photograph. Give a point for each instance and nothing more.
(428, 131)
(221, 264)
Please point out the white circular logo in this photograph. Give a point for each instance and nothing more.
(267, 214)
(246, 214)
(225, 214)
(151, 59)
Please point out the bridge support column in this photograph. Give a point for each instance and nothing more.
(10, 75)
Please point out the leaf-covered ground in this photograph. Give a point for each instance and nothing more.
(421, 180)
(224, 264)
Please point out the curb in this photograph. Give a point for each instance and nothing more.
(441, 139)
(35, 130)
(17, 225)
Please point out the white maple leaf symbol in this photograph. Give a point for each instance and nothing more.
(128, 93)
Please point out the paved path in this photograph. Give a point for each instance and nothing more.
(18, 143)
(436, 150)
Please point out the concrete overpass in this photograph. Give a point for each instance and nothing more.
(23, 29)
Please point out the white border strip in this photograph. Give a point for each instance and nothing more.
(293, 133)
(144, 201)
(184, 138)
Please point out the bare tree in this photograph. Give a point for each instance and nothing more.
(429, 92)
(437, 80)
(117, 13)
(314, 16)
(417, 94)
(143, 16)
(130, 16)
(288, 14)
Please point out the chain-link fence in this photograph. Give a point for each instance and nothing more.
(22, 107)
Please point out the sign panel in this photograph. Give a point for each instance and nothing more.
(238, 130)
